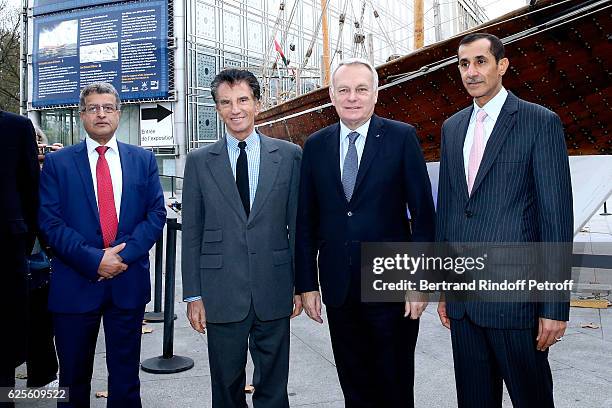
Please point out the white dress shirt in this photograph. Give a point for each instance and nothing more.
(492, 108)
(359, 142)
(114, 165)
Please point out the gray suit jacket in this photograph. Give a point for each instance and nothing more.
(231, 260)
(522, 193)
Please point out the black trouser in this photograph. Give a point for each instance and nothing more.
(485, 357)
(373, 347)
(41, 358)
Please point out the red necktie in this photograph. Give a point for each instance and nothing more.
(106, 199)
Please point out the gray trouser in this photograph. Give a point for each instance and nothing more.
(268, 342)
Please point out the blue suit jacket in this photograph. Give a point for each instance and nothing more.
(70, 223)
(392, 176)
(522, 193)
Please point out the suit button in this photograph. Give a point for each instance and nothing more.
(350, 214)
(468, 214)
(250, 226)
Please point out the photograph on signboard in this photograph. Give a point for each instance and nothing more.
(100, 52)
(59, 40)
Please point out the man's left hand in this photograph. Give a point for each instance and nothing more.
(549, 332)
(416, 303)
(297, 306)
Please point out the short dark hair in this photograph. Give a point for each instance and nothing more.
(496, 47)
(233, 76)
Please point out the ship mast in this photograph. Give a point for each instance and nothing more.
(326, 64)
(418, 24)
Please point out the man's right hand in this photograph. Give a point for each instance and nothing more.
(311, 301)
(197, 315)
(442, 314)
(112, 264)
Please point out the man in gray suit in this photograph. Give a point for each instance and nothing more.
(239, 208)
(504, 178)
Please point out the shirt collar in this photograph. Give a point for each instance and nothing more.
(362, 130)
(92, 144)
(251, 141)
(493, 107)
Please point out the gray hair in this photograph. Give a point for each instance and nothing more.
(98, 88)
(356, 61)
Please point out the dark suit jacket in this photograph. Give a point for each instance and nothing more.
(19, 181)
(70, 222)
(231, 260)
(522, 193)
(392, 177)
(18, 206)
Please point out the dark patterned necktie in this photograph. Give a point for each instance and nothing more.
(242, 178)
(350, 167)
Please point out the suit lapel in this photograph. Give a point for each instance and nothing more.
(456, 144)
(82, 164)
(127, 179)
(269, 163)
(372, 145)
(221, 171)
(333, 160)
(502, 128)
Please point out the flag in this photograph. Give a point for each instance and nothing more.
(280, 52)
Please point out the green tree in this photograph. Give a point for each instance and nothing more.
(10, 51)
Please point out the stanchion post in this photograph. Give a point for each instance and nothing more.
(157, 315)
(169, 293)
(169, 363)
(159, 264)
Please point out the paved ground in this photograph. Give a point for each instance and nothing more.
(581, 364)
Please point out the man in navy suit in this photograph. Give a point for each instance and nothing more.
(504, 177)
(101, 210)
(358, 178)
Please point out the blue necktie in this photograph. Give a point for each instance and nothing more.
(350, 167)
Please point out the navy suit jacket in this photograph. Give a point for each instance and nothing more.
(70, 223)
(522, 193)
(392, 177)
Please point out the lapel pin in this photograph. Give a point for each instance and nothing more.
(377, 135)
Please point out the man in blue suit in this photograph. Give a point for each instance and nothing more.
(358, 178)
(504, 178)
(101, 210)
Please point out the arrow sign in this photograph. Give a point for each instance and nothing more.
(159, 113)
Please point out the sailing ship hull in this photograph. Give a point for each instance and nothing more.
(559, 56)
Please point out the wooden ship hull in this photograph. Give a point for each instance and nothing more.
(559, 56)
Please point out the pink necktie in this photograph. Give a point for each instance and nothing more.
(477, 150)
(106, 199)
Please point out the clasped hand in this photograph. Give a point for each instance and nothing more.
(111, 264)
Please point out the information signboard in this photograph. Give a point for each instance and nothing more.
(125, 44)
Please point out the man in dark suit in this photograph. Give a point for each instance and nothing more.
(504, 177)
(101, 210)
(239, 205)
(358, 178)
(19, 186)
